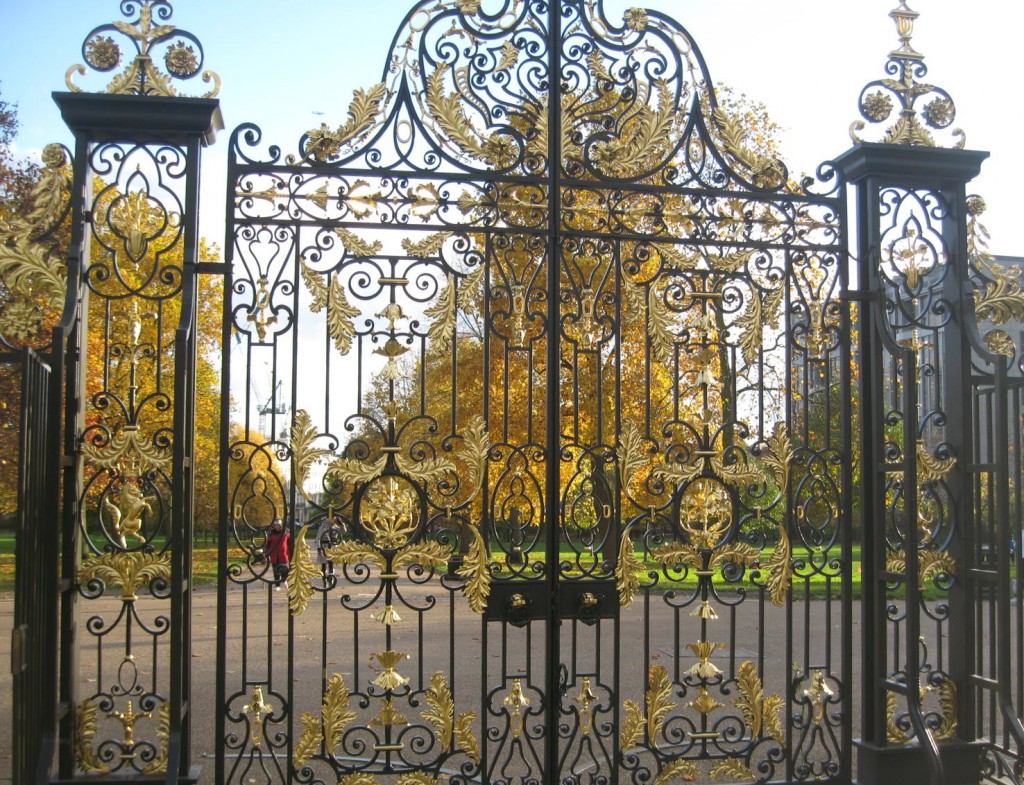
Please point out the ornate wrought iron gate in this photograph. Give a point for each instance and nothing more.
(591, 431)
(561, 355)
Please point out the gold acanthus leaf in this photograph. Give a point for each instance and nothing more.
(428, 553)
(309, 741)
(128, 445)
(931, 468)
(356, 245)
(643, 133)
(352, 552)
(353, 471)
(632, 455)
(626, 566)
(426, 470)
(780, 457)
(893, 732)
(428, 247)
(475, 570)
(764, 172)
(304, 454)
(362, 112)
(448, 113)
(465, 737)
(163, 736)
(761, 311)
(441, 710)
(674, 555)
(85, 732)
(779, 568)
(509, 57)
(470, 287)
(336, 711)
(597, 67)
(358, 778)
(733, 769)
(301, 575)
(739, 553)
(339, 312)
(659, 701)
(761, 712)
(678, 769)
(659, 328)
(678, 259)
(444, 313)
(477, 443)
(948, 709)
(933, 563)
(1001, 302)
(632, 732)
(28, 268)
(127, 569)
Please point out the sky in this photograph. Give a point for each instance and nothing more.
(806, 60)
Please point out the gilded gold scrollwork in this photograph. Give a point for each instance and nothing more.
(85, 731)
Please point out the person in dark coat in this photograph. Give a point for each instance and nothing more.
(278, 551)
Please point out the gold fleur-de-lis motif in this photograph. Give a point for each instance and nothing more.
(259, 708)
(516, 701)
(818, 694)
(586, 699)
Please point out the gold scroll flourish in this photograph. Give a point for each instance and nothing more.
(440, 713)
(650, 719)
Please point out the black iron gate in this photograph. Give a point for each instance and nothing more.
(33, 658)
(591, 432)
(568, 398)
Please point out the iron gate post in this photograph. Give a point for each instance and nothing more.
(896, 393)
(129, 123)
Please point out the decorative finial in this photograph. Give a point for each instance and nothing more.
(182, 54)
(905, 67)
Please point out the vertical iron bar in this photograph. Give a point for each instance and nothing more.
(552, 424)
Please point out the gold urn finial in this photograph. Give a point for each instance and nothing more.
(910, 111)
(904, 18)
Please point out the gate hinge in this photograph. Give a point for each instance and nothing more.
(18, 661)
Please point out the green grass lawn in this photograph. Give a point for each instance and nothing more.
(807, 582)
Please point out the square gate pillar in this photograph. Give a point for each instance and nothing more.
(129, 426)
(915, 309)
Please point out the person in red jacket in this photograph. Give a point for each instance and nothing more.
(278, 551)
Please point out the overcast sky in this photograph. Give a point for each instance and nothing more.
(805, 59)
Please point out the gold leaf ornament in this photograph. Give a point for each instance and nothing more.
(475, 569)
(678, 769)
(325, 145)
(127, 569)
(440, 711)
(339, 312)
(659, 701)
(762, 713)
(626, 567)
(85, 732)
(301, 575)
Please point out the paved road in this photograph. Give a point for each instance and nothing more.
(312, 657)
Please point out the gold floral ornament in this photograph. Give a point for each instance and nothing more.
(182, 56)
(635, 19)
(879, 98)
(998, 295)
(324, 144)
(30, 268)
